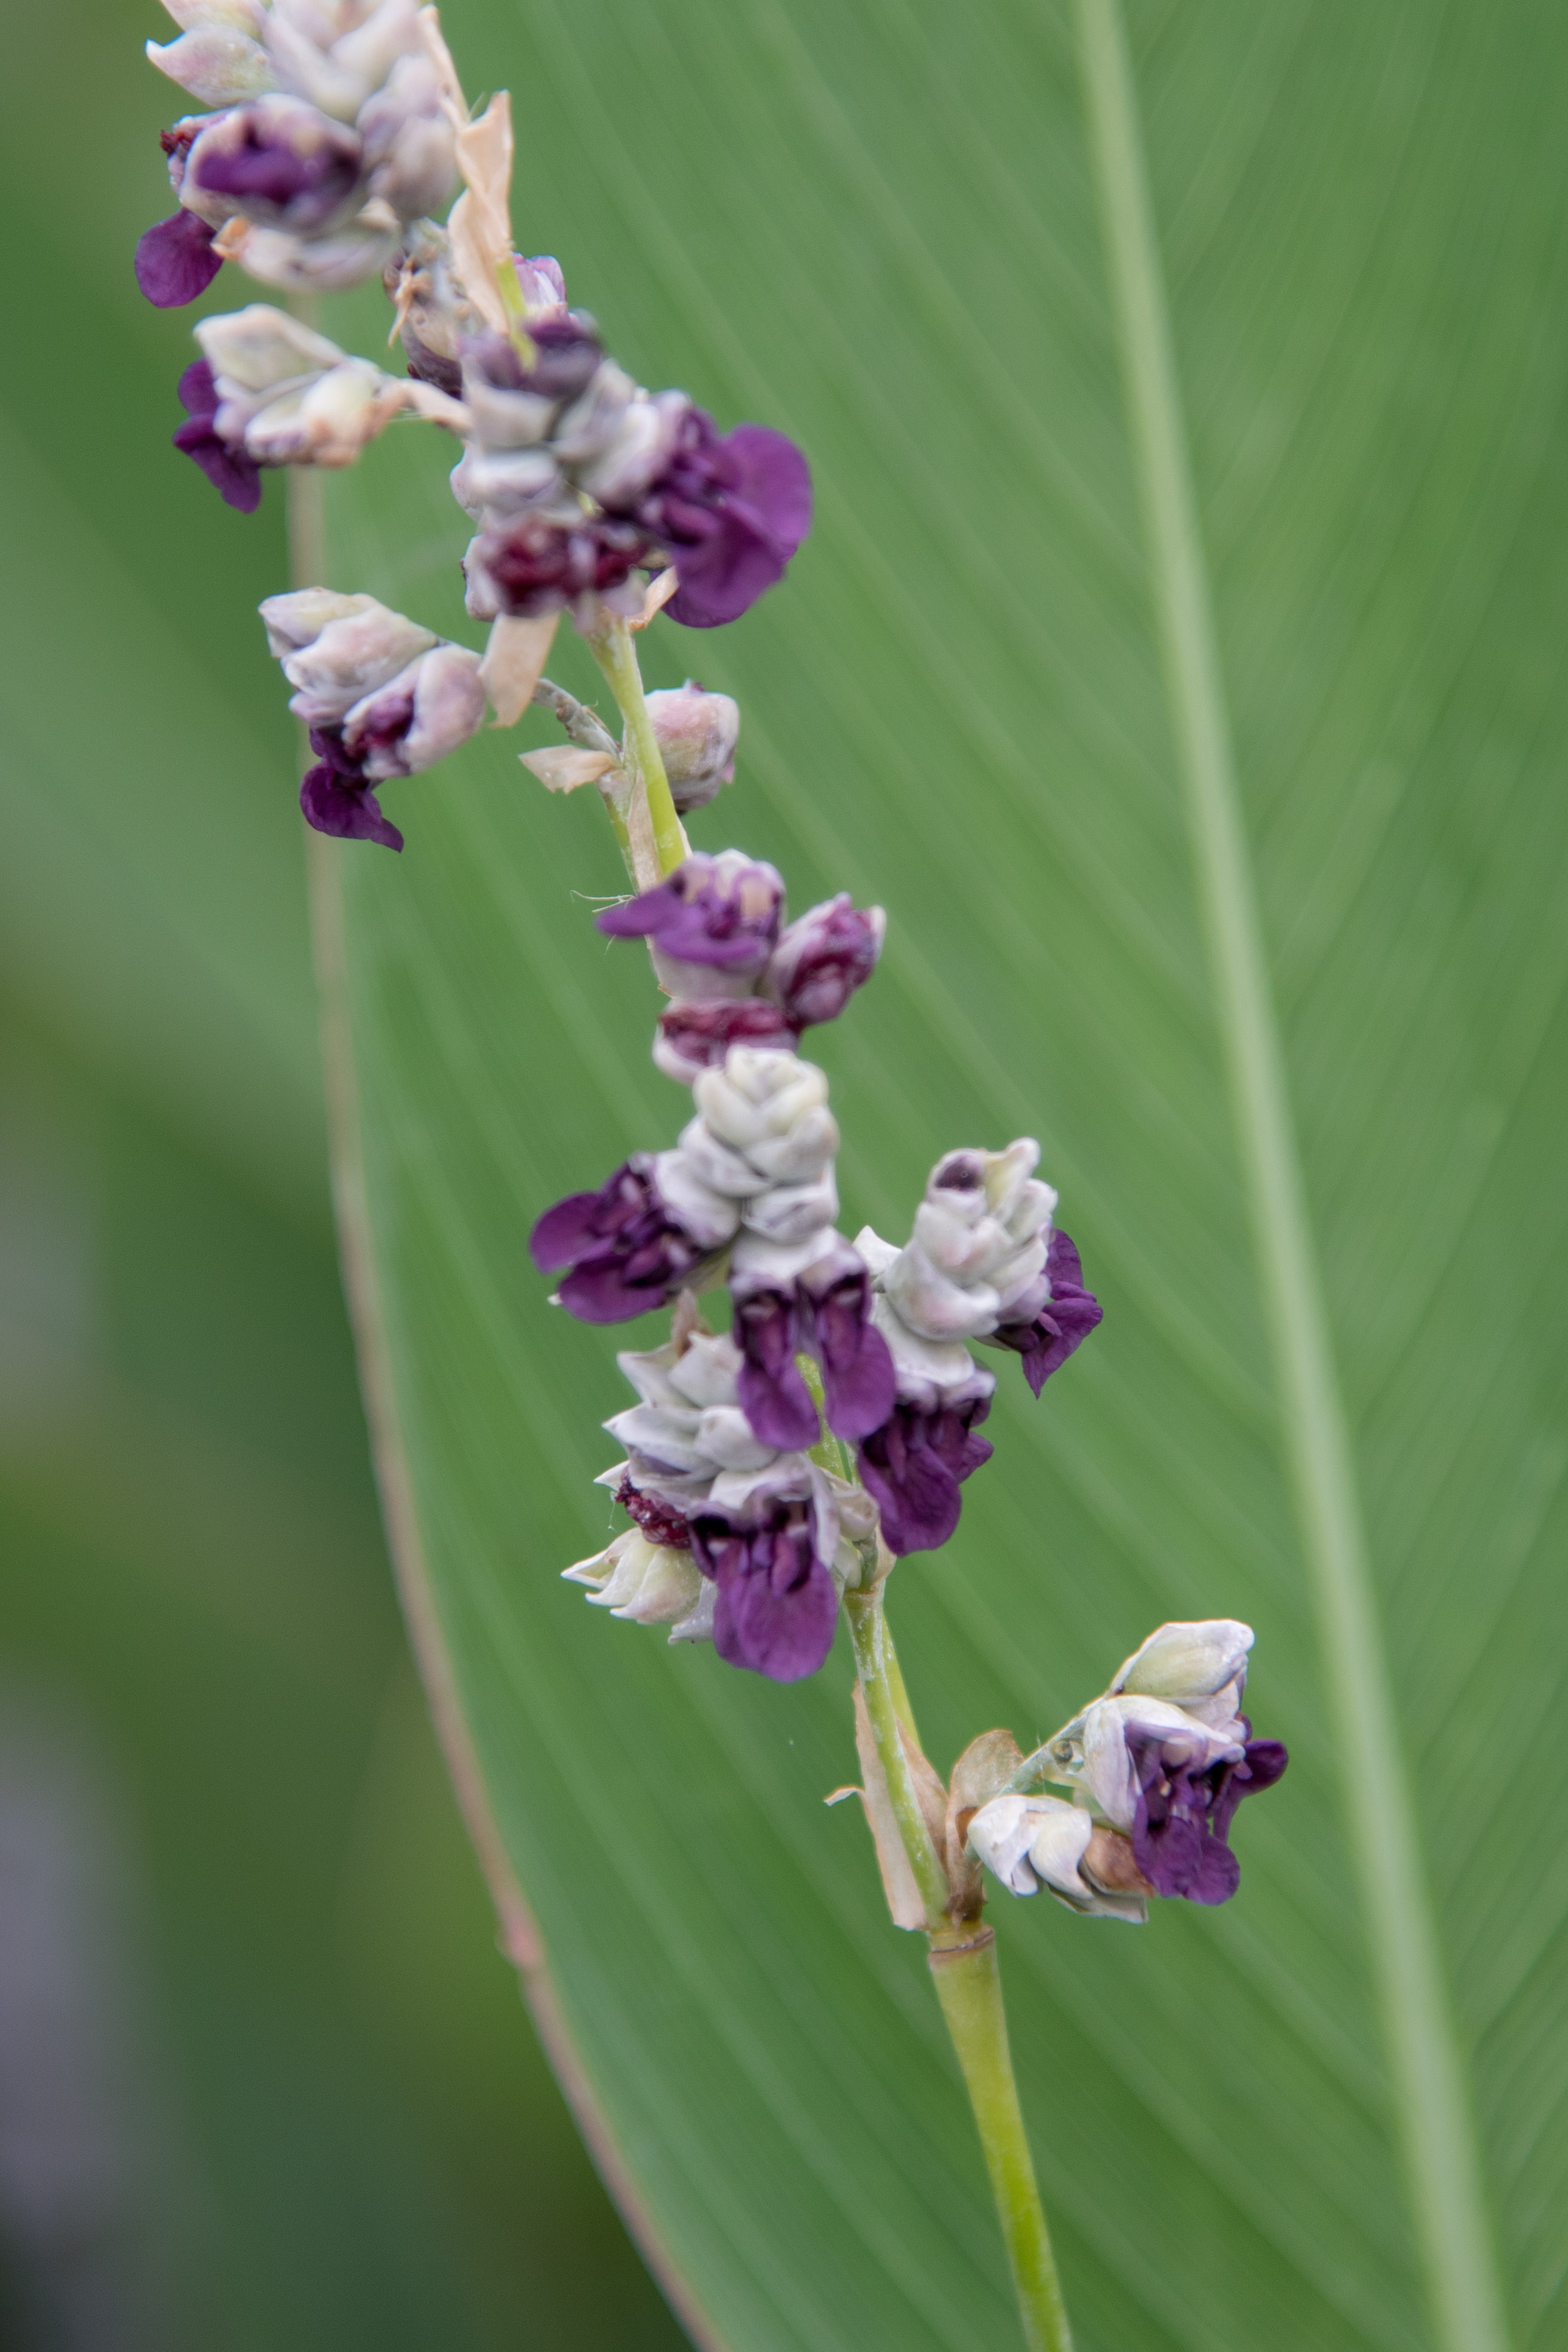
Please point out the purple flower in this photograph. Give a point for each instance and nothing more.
(731, 510)
(823, 958)
(231, 469)
(1061, 1323)
(696, 1037)
(860, 1385)
(176, 261)
(771, 1327)
(1182, 1817)
(280, 162)
(535, 565)
(337, 796)
(915, 1463)
(625, 1248)
(776, 1605)
(716, 920)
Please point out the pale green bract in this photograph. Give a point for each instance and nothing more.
(878, 228)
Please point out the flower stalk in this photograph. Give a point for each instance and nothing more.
(963, 1953)
(614, 647)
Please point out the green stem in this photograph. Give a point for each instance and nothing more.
(876, 1667)
(968, 1986)
(614, 649)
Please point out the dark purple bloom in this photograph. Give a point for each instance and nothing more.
(776, 1605)
(537, 565)
(337, 797)
(1182, 1818)
(659, 1521)
(914, 1464)
(860, 1385)
(1046, 1340)
(731, 510)
(231, 469)
(176, 261)
(623, 1247)
(281, 162)
(693, 1037)
(823, 958)
(721, 911)
(771, 1328)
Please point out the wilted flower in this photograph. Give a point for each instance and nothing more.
(692, 1037)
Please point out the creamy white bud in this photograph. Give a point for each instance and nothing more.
(697, 734)
(260, 346)
(708, 1217)
(351, 656)
(648, 1584)
(216, 63)
(1034, 1842)
(298, 618)
(586, 429)
(328, 422)
(1196, 1665)
(697, 1625)
(794, 1213)
(637, 449)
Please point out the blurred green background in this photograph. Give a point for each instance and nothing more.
(265, 2081)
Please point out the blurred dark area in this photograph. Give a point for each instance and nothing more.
(265, 2080)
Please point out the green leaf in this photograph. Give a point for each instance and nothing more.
(988, 697)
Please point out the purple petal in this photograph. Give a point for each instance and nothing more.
(860, 1385)
(565, 1233)
(176, 261)
(776, 1606)
(723, 912)
(1047, 1341)
(233, 473)
(348, 811)
(915, 1465)
(759, 524)
(773, 1393)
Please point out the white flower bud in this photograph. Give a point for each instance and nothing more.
(1034, 1842)
(351, 655)
(697, 734)
(318, 265)
(216, 63)
(648, 1584)
(298, 618)
(794, 1213)
(1200, 1666)
(260, 348)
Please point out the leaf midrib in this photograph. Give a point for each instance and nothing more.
(1425, 2070)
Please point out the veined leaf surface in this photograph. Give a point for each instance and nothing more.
(878, 229)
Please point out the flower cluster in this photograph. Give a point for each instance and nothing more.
(735, 1540)
(1157, 1767)
(736, 974)
(864, 1337)
(329, 139)
(984, 1263)
(339, 128)
(381, 697)
(576, 478)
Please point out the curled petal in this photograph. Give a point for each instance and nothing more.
(176, 261)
